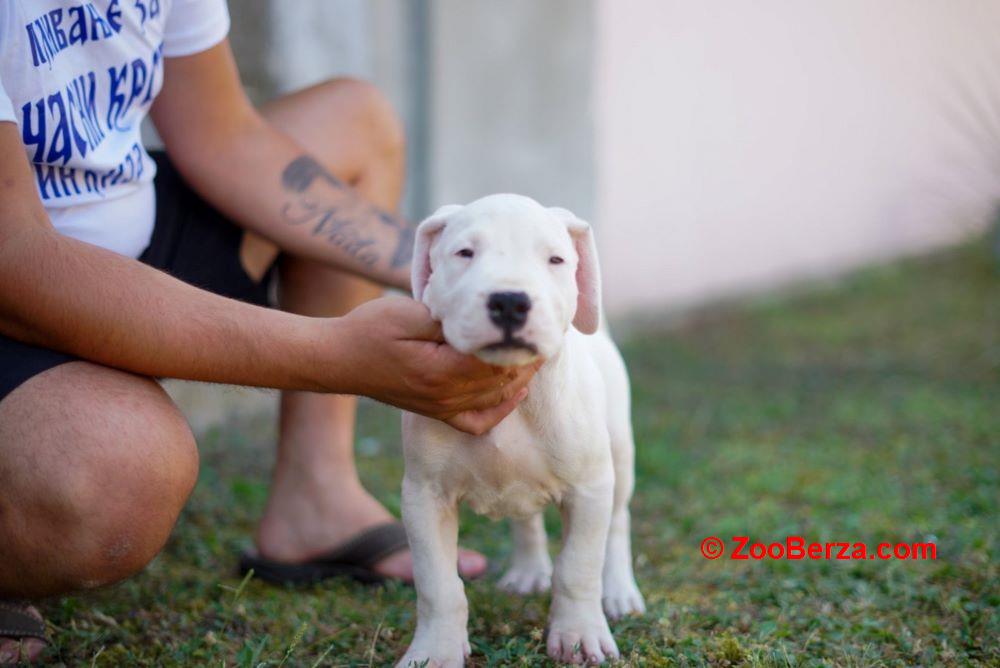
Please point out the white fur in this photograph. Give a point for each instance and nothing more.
(569, 443)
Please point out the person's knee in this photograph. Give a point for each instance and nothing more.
(129, 500)
(104, 504)
(373, 116)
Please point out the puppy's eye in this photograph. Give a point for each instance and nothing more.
(465, 252)
(555, 259)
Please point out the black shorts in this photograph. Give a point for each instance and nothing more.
(191, 241)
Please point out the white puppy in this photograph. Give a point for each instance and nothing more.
(510, 281)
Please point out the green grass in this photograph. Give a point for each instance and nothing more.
(867, 410)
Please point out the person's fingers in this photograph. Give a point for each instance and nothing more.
(429, 331)
(496, 393)
(480, 389)
(478, 422)
(488, 392)
(414, 320)
(479, 375)
(452, 364)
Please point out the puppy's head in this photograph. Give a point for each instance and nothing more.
(506, 277)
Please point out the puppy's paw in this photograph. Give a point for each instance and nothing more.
(439, 651)
(622, 598)
(527, 577)
(586, 640)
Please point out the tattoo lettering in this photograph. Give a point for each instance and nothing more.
(301, 172)
(338, 231)
(344, 222)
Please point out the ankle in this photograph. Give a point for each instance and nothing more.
(317, 480)
(299, 523)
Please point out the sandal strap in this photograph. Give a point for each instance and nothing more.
(16, 622)
(370, 546)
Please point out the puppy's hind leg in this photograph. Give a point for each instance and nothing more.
(441, 639)
(621, 595)
(530, 569)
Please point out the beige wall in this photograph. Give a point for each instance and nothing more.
(510, 101)
(742, 145)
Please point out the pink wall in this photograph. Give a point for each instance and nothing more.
(742, 145)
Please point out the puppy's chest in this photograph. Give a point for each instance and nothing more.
(513, 474)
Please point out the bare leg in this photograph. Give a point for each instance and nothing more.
(530, 569)
(95, 465)
(317, 500)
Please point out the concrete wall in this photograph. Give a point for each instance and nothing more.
(511, 104)
(746, 145)
(495, 96)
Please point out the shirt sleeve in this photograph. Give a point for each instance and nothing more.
(194, 26)
(6, 106)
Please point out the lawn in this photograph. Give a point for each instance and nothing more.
(865, 410)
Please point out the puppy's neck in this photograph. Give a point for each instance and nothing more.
(549, 385)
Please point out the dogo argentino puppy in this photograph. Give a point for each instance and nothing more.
(512, 281)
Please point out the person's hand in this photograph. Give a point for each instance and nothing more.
(391, 350)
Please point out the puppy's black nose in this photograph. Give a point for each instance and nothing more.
(509, 310)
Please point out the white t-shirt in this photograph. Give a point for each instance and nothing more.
(78, 77)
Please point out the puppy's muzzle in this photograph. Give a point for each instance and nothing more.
(509, 310)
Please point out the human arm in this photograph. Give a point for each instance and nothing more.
(69, 295)
(266, 182)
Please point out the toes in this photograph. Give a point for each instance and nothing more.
(471, 564)
(29, 649)
(443, 648)
(611, 608)
(509, 582)
(399, 565)
(552, 646)
(592, 651)
(32, 649)
(520, 582)
(564, 647)
(573, 648)
(593, 646)
(631, 603)
(599, 647)
(616, 608)
(10, 651)
(610, 648)
(13, 651)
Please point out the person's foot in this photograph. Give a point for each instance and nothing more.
(303, 521)
(14, 650)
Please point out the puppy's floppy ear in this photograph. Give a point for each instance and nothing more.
(420, 269)
(588, 272)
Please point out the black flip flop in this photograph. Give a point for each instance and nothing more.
(16, 623)
(354, 559)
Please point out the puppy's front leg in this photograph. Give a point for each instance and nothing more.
(441, 639)
(578, 630)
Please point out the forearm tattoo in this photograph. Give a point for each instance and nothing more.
(344, 221)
